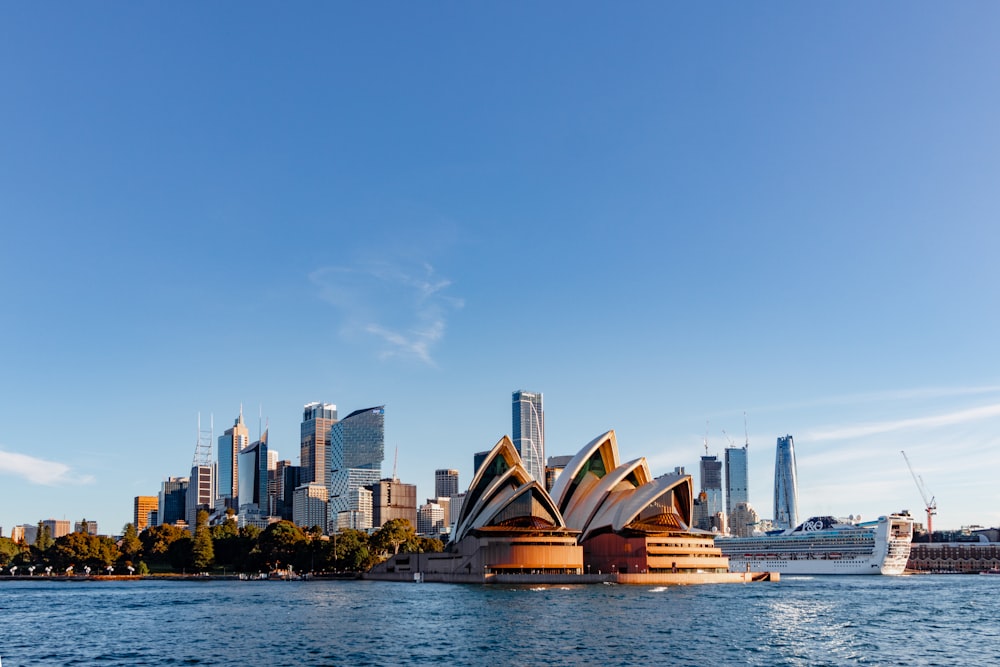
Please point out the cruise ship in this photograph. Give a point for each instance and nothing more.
(825, 545)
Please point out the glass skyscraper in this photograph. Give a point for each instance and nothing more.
(357, 449)
(528, 432)
(786, 486)
(737, 479)
(253, 477)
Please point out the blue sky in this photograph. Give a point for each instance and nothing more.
(659, 215)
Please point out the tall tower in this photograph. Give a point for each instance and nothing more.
(253, 479)
(711, 486)
(786, 485)
(230, 444)
(445, 483)
(737, 479)
(357, 449)
(528, 431)
(317, 418)
(201, 487)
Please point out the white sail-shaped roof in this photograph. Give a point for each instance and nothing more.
(596, 459)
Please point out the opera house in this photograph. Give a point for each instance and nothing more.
(603, 521)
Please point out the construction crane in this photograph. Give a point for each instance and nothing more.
(930, 506)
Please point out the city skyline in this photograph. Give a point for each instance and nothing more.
(786, 212)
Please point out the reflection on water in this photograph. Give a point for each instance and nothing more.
(819, 620)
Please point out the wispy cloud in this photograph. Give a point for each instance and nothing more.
(39, 471)
(934, 421)
(404, 308)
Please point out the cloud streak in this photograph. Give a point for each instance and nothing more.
(403, 308)
(39, 471)
(935, 421)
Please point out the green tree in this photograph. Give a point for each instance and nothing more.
(156, 541)
(202, 551)
(387, 540)
(352, 552)
(130, 546)
(82, 549)
(9, 550)
(43, 540)
(281, 544)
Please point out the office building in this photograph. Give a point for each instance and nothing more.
(477, 460)
(554, 468)
(230, 444)
(455, 508)
(445, 483)
(430, 519)
(25, 533)
(392, 499)
(737, 479)
(743, 520)
(317, 419)
(253, 478)
(172, 505)
(711, 485)
(309, 506)
(288, 480)
(357, 448)
(529, 432)
(786, 491)
(200, 493)
(142, 506)
(57, 527)
(88, 527)
(356, 519)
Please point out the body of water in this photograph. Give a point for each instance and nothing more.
(918, 620)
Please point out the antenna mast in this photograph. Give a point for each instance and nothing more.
(746, 431)
(203, 445)
(395, 460)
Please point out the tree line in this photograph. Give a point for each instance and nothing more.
(214, 549)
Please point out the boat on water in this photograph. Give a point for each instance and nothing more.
(825, 545)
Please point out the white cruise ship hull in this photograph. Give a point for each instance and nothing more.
(879, 548)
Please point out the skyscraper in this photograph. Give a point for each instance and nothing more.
(142, 507)
(528, 432)
(200, 493)
(737, 479)
(317, 418)
(172, 501)
(357, 448)
(445, 483)
(711, 485)
(230, 444)
(786, 486)
(253, 480)
(392, 499)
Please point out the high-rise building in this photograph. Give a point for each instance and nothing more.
(57, 527)
(253, 479)
(711, 484)
(230, 444)
(392, 499)
(529, 432)
(173, 501)
(309, 506)
(289, 481)
(786, 486)
(445, 483)
(743, 520)
(477, 460)
(142, 506)
(737, 479)
(430, 519)
(317, 418)
(554, 468)
(200, 493)
(89, 527)
(357, 448)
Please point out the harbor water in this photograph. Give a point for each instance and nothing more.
(910, 620)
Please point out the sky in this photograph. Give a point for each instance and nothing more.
(693, 224)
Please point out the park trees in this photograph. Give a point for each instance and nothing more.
(202, 550)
